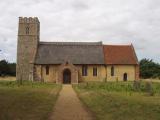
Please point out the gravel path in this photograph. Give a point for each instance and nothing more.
(69, 107)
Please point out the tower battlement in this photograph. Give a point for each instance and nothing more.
(28, 20)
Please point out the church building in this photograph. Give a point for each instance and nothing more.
(71, 62)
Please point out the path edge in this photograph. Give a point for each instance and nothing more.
(90, 112)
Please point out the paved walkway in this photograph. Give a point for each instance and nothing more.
(69, 107)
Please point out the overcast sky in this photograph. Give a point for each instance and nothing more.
(110, 21)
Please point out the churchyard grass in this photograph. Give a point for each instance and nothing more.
(29, 101)
(8, 78)
(120, 100)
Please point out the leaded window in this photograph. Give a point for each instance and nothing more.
(84, 70)
(94, 71)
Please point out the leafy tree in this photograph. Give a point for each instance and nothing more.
(4, 68)
(7, 68)
(149, 69)
(12, 69)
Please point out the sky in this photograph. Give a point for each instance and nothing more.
(109, 21)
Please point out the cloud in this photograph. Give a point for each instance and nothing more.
(79, 5)
(110, 21)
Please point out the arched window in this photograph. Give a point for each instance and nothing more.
(125, 77)
(27, 30)
(112, 71)
(94, 71)
(47, 70)
(84, 70)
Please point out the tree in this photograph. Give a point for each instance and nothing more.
(149, 69)
(4, 68)
(7, 68)
(12, 69)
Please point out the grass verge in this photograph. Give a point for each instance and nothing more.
(30, 101)
(122, 103)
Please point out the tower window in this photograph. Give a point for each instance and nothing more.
(94, 71)
(84, 70)
(47, 70)
(112, 71)
(27, 30)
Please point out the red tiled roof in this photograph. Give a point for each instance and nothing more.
(119, 54)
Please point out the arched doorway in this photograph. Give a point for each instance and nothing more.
(66, 76)
(125, 77)
(72, 73)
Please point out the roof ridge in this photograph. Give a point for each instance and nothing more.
(117, 45)
(72, 43)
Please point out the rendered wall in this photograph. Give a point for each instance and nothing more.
(103, 73)
(119, 71)
(53, 73)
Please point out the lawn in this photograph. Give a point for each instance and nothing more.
(120, 101)
(8, 78)
(30, 101)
